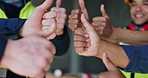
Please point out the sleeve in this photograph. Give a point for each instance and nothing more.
(61, 43)
(138, 56)
(3, 43)
(10, 27)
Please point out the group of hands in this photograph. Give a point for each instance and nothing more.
(36, 51)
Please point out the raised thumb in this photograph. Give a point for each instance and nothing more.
(86, 24)
(45, 5)
(103, 11)
(109, 65)
(58, 3)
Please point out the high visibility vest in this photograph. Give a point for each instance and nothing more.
(128, 74)
(24, 13)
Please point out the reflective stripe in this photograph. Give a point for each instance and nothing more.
(27, 10)
(24, 13)
(2, 14)
(126, 74)
(138, 75)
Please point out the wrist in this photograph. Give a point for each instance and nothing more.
(7, 53)
(114, 34)
(101, 48)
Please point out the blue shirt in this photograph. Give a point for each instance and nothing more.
(138, 56)
(10, 27)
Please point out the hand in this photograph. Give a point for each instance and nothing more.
(74, 18)
(30, 56)
(34, 23)
(102, 24)
(59, 16)
(113, 71)
(86, 42)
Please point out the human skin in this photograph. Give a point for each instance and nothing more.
(30, 56)
(139, 11)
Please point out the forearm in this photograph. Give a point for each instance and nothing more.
(114, 52)
(129, 36)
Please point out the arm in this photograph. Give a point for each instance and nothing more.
(108, 32)
(130, 37)
(10, 27)
(113, 71)
(128, 58)
(92, 45)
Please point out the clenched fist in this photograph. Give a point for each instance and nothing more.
(30, 56)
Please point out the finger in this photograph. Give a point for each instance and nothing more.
(58, 3)
(73, 27)
(37, 14)
(104, 13)
(88, 40)
(79, 44)
(58, 10)
(49, 30)
(60, 29)
(86, 24)
(83, 8)
(74, 16)
(88, 44)
(45, 5)
(109, 65)
(73, 21)
(50, 14)
(52, 48)
(99, 19)
(52, 36)
(80, 32)
(61, 15)
(98, 23)
(60, 20)
(47, 22)
(76, 11)
(79, 50)
(99, 28)
(79, 38)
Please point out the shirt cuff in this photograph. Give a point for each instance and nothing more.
(3, 43)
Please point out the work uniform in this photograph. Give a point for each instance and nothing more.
(134, 27)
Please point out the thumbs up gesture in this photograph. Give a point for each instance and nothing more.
(113, 71)
(59, 15)
(49, 24)
(34, 23)
(87, 42)
(74, 18)
(102, 24)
